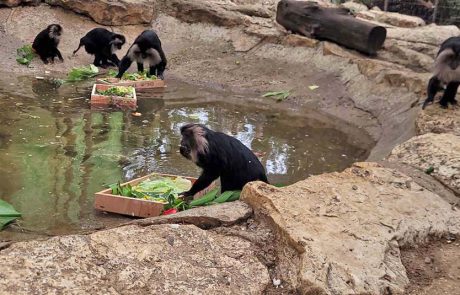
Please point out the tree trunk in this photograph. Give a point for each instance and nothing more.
(334, 24)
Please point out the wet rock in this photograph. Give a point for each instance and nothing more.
(134, 260)
(392, 18)
(351, 246)
(433, 151)
(434, 119)
(107, 12)
(225, 214)
(431, 34)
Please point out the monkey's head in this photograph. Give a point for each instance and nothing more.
(55, 31)
(117, 41)
(193, 141)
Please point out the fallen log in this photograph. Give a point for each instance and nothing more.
(333, 24)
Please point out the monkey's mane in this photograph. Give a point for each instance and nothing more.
(198, 135)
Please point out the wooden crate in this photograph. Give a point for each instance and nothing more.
(138, 85)
(105, 201)
(105, 100)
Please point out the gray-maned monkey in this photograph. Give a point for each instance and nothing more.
(46, 43)
(146, 48)
(446, 72)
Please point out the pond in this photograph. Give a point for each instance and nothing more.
(56, 151)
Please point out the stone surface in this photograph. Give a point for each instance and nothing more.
(157, 259)
(409, 57)
(347, 227)
(355, 7)
(433, 151)
(431, 34)
(330, 48)
(107, 12)
(300, 41)
(392, 18)
(13, 3)
(225, 214)
(434, 119)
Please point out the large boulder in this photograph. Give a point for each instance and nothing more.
(157, 259)
(347, 228)
(392, 18)
(432, 34)
(437, 154)
(435, 119)
(112, 13)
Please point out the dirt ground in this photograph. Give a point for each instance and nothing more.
(433, 268)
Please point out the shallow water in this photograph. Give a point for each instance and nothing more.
(56, 151)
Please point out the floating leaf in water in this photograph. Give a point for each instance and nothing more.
(7, 214)
(313, 87)
(279, 95)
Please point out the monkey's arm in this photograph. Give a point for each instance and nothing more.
(205, 179)
(161, 67)
(59, 55)
(115, 60)
(124, 65)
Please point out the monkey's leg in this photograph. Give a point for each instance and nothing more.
(455, 86)
(97, 60)
(449, 94)
(140, 67)
(152, 71)
(205, 179)
(434, 85)
(114, 59)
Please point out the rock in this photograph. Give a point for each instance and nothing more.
(427, 260)
(410, 58)
(198, 11)
(330, 48)
(439, 151)
(13, 3)
(243, 42)
(431, 34)
(299, 41)
(413, 82)
(225, 214)
(253, 10)
(134, 260)
(434, 119)
(107, 12)
(354, 7)
(392, 18)
(351, 246)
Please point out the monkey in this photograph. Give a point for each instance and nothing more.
(146, 47)
(219, 155)
(46, 43)
(102, 44)
(446, 72)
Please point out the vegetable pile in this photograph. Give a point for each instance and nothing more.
(82, 73)
(122, 91)
(139, 76)
(25, 55)
(166, 190)
(7, 214)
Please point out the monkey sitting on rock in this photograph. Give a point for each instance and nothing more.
(46, 43)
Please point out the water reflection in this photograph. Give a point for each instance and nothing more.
(56, 152)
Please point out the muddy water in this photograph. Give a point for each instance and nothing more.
(56, 151)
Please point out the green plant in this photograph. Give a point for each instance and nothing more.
(25, 54)
(279, 95)
(122, 91)
(7, 214)
(82, 73)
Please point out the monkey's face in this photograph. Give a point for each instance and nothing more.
(193, 142)
(185, 149)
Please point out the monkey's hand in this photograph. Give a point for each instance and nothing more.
(186, 196)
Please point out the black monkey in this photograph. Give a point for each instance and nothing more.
(102, 44)
(46, 43)
(446, 72)
(146, 47)
(219, 155)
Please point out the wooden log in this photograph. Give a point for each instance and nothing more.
(334, 24)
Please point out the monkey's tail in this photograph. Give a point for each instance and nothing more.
(79, 46)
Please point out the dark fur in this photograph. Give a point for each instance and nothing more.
(146, 48)
(46, 43)
(220, 155)
(447, 72)
(102, 44)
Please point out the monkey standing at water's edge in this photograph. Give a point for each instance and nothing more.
(103, 44)
(146, 48)
(446, 72)
(219, 155)
(46, 43)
